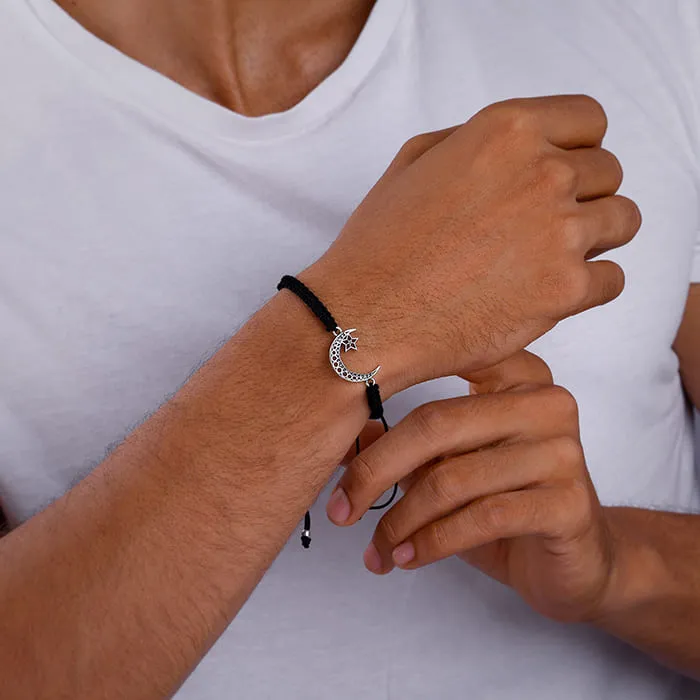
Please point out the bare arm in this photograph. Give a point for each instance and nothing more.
(119, 588)
(687, 346)
(632, 572)
(657, 592)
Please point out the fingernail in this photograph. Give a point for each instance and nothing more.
(338, 508)
(372, 559)
(403, 554)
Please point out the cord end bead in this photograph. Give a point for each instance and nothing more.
(306, 532)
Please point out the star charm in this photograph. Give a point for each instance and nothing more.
(350, 343)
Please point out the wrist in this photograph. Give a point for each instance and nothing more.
(353, 307)
(639, 576)
(272, 385)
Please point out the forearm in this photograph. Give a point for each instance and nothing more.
(656, 592)
(687, 346)
(654, 597)
(118, 588)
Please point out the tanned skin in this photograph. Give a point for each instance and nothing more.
(120, 587)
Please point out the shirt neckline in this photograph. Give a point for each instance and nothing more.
(145, 87)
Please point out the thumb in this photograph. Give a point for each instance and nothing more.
(372, 431)
(517, 372)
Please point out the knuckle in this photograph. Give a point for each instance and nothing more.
(582, 504)
(491, 516)
(412, 149)
(437, 487)
(559, 522)
(518, 119)
(573, 231)
(512, 117)
(573, 512)
(440, 536)
(430, 420)
(557, 174)
(575, 287)
(525, 403)
(360, 473)
(567, 452)
(565, 288)
(562, 403)
(387, 530)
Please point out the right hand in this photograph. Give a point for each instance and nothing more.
(477, 239)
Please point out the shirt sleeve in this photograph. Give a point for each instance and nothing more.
(695, 270)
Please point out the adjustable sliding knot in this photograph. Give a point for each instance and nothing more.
(374, 399)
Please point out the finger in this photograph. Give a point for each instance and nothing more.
(606, 282)
(598, 172)
(567, 121)
(523, 369)
(456, 482)
(606, 223)
(372, 431)
(572, 121)
(520, 372)
(443, 429)
(556, 513)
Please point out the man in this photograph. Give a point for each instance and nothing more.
(163, 164)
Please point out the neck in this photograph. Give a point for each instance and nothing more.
(251, 56)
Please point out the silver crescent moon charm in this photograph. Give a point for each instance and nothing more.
(344, 341)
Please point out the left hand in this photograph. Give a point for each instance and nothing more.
(498, 478)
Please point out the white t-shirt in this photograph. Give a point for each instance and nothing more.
(141, 224)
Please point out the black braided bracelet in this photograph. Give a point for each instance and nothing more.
(342, 340)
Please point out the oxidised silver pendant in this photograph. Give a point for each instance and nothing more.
(344, 341)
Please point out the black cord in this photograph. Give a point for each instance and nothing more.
(388, 501)
(376, 408)
(374, 399)
(310, 299)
